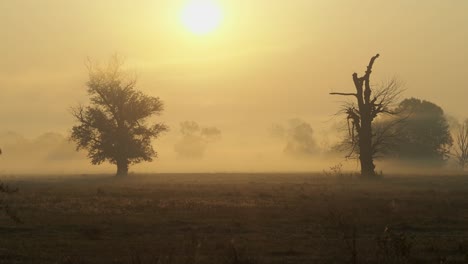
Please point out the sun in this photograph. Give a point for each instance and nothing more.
(201, 16)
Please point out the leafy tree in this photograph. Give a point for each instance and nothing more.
(115, 127)
(195, 139)
(361, 113)
(299, 137)
(425, 135)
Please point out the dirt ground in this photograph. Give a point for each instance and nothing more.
(236, 218)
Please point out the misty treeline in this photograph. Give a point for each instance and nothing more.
(120, 122)
(47, 147)
(195, 139)
(298, 137)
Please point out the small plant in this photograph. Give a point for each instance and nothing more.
(92, 233)
(100, 192)
(6, 190)
(346, 225)
(238, 255)
(394, 247)
(71, 260)
(335, 171)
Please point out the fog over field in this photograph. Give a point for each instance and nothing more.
(255, 73)
(233, 131)
(54, 153)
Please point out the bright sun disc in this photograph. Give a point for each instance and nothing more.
(201, 16)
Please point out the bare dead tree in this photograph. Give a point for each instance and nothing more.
(461, 145)
(365, 140)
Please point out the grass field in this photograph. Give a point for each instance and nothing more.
(236, 218)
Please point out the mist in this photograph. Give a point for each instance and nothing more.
(241, 80)
(233, 131)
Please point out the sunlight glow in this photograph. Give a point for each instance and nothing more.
(201, 16)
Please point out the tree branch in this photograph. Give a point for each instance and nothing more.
(344, 94)
(371, 65)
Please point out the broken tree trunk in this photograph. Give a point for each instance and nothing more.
(362, 118)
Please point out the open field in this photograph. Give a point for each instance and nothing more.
(237, 218)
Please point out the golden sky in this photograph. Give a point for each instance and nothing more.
(269, 61)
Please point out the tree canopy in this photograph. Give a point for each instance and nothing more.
(115, 126)
(425, 135)
(195, 139)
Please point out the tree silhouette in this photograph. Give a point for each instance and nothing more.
(195, 139)
(114, 127)
(461, 145)
(425, 136)
(368, 105)
(299, 137)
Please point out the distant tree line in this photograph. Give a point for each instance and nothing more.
(299, 138)
(195, 140)
(119, 124)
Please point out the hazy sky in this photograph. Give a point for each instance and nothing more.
(270, 60)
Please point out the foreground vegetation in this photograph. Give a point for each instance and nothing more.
(237, 218)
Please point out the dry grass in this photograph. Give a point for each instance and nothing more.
(237, 218)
